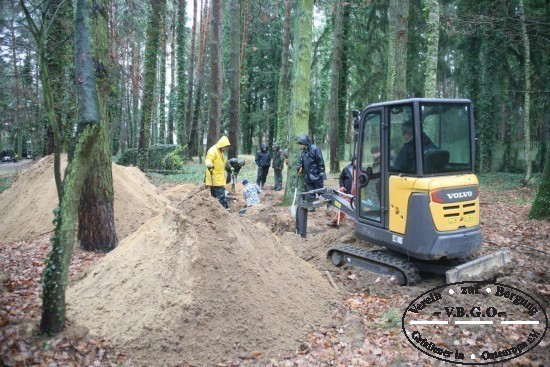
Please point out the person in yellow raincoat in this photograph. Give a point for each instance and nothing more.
(215, 170)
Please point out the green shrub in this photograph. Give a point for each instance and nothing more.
(173, 161)
(158, 157)
(158, 152)
(128, 157)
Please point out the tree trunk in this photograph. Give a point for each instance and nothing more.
(245, 35)
(181, 48)
(17, 120)
(214, 125)
(39, 36)
(541, 206)
(527, 102)
(432, 35)
(343, 84)
(334, 87)
(96, 215)
(190, 87)
(397, 49)
(283, 100)
(235, 98)
(150, 73)
(162, 83)
(300, 88)
(56, 271)
(173, 92)
(196, 139)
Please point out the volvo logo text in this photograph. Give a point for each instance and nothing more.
(460, 195)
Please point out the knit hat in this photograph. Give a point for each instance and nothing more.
(245, 182)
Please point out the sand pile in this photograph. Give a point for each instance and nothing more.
(197, 284)
(28, 205)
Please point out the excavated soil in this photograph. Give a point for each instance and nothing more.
(197, 284)
(27, 206)
(190, 282)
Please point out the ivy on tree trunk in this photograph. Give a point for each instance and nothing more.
(56, 271)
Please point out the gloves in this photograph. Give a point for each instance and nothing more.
(232, 169)
(323, 176)
(210, 166)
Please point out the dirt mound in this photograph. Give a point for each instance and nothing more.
(28, 205)
(198, 284)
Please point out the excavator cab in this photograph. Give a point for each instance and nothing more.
(416, 192)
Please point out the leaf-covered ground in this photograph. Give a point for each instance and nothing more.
(366, 328)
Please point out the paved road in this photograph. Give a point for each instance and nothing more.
(19, 165)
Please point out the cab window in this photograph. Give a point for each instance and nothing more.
(446, 138)
(402, 153)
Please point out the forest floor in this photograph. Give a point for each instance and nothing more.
(192, 285)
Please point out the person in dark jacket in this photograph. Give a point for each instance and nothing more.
(406, 159)
(263, 161)
(232, 168)
(278, 164)
(311, 164)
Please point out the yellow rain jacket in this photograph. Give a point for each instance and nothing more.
(215, 156)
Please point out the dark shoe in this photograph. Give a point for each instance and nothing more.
(332, 223)
(277, 189)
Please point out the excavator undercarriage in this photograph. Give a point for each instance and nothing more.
(406, 269)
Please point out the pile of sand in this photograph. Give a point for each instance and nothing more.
(27, 206)
(197, 284)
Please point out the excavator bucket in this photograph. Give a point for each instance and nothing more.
(480, 268)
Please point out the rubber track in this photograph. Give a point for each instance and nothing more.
(383, 257)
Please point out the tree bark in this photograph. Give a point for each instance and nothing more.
(527, 101)
(96, 214)
(162, 83)
(190, 85)
(397, 49)
(195, 138)
(56, 271)
(150, 73)
(343, 84)
(181, 46)
(235, 72)
(39, 35)
(173, 92)
(432, 35)
(300, 88)
(283, 98)
(214, 126)
(541, 206)
(334, 87)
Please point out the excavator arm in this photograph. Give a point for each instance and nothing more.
(326, 196)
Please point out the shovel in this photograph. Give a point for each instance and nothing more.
(293, 206)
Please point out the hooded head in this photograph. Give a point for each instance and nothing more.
(304, 141)
(263, 146)
(276, 146)
(245, 182)
(241, 162)
(223, 143)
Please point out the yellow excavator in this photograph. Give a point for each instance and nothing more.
(416, 193)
